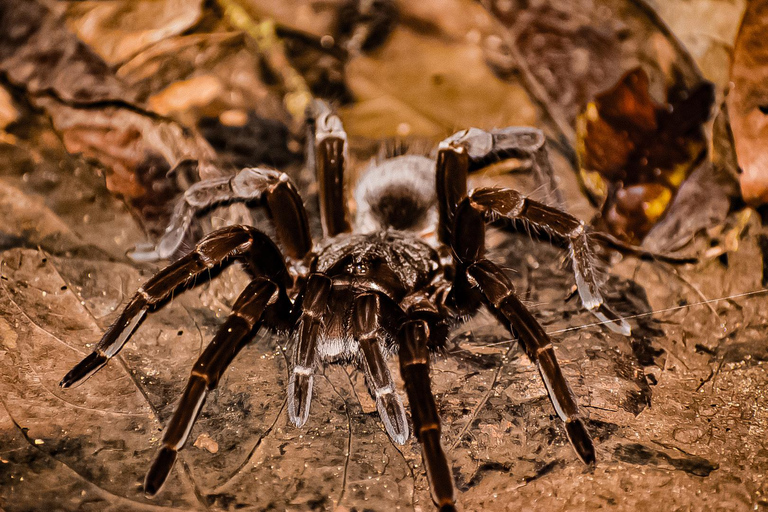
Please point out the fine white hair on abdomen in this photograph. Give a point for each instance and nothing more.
(398, 192)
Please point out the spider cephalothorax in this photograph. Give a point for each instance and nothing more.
(359, 296)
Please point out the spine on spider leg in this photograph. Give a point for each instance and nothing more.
(414, 368)
(233, 334)
(538, 346)
(300, 384)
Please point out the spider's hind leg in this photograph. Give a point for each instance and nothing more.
(472, 149)
(327, 153)
(272, 188)
(492, 204)
(468, 149)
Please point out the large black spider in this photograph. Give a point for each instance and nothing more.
(360, 295)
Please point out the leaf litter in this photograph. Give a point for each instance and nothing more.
(678, 410)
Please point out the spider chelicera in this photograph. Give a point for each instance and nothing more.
(360, 295)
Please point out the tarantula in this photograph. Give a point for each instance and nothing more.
(361, 295)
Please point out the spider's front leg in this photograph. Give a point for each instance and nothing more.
(260, 255)
(464, 149)
(273, 188)
(305, 359)
(497, 293)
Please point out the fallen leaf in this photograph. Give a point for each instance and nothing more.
(167, 74)
(748, 102)
(568, 52)
(430, 86)
(8, 112)
(117, 30)
(634, 154)
(38, 53)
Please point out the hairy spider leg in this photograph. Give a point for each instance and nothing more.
(414, 369)
(510, 204)
(260, 255)
(246, 318)
(472, 149)
(276, 191)
(367, 330)
(465, 150)
(327, 153)
(304, 361)
(499, 296)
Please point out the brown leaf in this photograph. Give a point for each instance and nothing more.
(431, 84)
(193, 76)
(634, 153)
(118, 30)
(39, 54)
(8, 112)
(570, 51)
(710, 41)
(748, 102)
(124, 140)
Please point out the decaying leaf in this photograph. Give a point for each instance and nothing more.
(203, 75)
(8, 112)
(38, 53)
(92, 109)
(568, 52)
(710, 44)
(634, 153)
(117, 30)
(748, 102)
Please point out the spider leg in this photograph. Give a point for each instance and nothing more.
(414, 368)
(262, 258)
(468, 150)
(314, 305)
(497, 203)
(274, 188)
(367, 330)
(497, 293)
(327, 154)
(232, 336)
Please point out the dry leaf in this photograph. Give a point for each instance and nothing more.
(748, 102)
(710, 41)
(169, 76)
(431, 85)
(570, 51)
(117, 30)
(634, 154)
